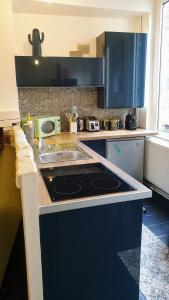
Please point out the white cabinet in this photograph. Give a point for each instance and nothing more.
(128, 155)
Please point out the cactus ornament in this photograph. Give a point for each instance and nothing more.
(36, 42)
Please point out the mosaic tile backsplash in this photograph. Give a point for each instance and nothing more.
(58, 101)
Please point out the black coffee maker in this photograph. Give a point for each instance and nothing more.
(131, 120)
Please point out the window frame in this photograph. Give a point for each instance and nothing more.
(162, 134)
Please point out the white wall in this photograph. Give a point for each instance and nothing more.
(8, 90)
(132, 5)
(63, 33)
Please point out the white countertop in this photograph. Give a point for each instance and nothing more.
(117, 134)
(47, 206)
(43, 201)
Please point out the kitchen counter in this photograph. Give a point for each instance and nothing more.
(44, 203)
(40, 217)
(117, 134)
(89, 240)
(47, 206)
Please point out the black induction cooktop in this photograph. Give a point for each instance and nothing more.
(78, 181)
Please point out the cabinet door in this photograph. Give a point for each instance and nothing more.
(99, 146)
(92, 253)
(119, 69)
(140, 45)
(124, 69)
(127, 155)
(58, 71)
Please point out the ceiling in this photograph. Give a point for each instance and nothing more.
(51, 7)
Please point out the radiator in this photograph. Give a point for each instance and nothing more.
(156, 169)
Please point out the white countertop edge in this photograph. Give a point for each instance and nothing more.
(94, 201)
(115, 134)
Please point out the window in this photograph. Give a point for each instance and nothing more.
(163, 117)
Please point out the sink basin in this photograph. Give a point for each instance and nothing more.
(64, 155)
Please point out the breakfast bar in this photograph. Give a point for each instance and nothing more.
(82, 237)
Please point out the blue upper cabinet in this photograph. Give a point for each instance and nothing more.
(124, 69)
(58, 71)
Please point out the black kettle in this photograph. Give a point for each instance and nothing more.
(131, 121)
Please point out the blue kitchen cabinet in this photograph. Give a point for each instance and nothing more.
(58, 71)
(92, 253)
(98, 146)
(124, 69)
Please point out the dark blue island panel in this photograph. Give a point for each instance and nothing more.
(92, 253)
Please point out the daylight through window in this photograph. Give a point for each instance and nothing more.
(163, 120)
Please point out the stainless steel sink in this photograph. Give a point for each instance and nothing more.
(65, 155)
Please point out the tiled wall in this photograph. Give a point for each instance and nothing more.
(57, 101)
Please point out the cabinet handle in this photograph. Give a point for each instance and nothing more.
(107, 79)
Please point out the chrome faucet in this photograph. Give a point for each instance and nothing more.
(41, 145)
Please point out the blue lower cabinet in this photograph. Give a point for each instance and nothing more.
(98, 146)
(92, 253)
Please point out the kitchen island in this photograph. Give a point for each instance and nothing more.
(83, 248)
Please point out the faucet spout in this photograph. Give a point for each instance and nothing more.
(41, 145)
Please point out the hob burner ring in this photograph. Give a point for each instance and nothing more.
(103, 183)
(67, 188)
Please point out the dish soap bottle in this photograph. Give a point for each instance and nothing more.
(28, 128)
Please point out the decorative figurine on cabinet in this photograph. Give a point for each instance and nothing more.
(36, 42)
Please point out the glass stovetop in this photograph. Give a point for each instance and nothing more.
(78, 181)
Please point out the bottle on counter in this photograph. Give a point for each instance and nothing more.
(28, 128)
(131, 120)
